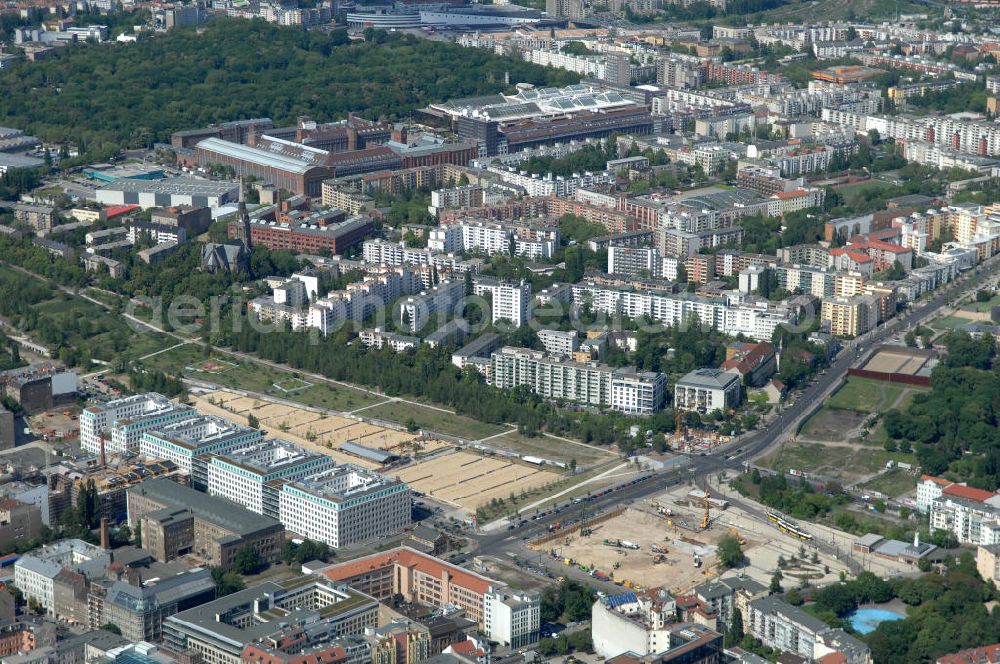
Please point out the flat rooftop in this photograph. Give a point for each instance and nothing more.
(215, 510)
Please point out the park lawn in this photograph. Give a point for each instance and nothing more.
(843, 463)
(894, 483)
(109, 330)
(864, 395)
(254, 377)
(175, 360)
(948, 323)
(982, 307)
(433, 420)
(552, 449)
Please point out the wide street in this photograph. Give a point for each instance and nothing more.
(502, 542)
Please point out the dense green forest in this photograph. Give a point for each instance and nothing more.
(967, 388)
(130, 95)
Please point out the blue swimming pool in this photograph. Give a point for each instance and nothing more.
(865, 621)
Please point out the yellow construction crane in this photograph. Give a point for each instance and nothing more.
(705, 520)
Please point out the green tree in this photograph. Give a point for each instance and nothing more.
(248, 560)
(735, 633)
(111, 627)
(730, 553)
(775, 586)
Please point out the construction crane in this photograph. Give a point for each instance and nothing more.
(706, 520)
(678, 438)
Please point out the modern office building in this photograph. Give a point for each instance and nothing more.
(251, 476)
(306, 611)
(706, 390)
(176, 520)
(121, 422)
(182, 441)
(345, 505)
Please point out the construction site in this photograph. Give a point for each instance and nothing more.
(691, 440)
(668, 541)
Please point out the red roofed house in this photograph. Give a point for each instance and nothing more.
(755, 363)
(852, 260)
(885, 254)
(984, 655)
(968, 492)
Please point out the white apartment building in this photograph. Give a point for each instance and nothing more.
(756, 319)
(706, 390)
(511, 302)
(538, 186)
(637, 393)
(634, 260)
(632, 623)
(480, 237)
(581, 382)
(559, 342)
(243, 475)
(122, 422)
(592, 66)
(186, 439)
(512, 618)
(380, 252)
(416, 311)
(345, 505)
(376, 337)
(928, 489)
(971, 515)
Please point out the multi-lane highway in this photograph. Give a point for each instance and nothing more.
(733, 456)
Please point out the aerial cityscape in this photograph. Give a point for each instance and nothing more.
(499, 332)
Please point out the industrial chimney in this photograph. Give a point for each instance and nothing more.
(105, 538)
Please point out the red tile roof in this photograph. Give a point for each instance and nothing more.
(413, 559)
(968, 493)
(940, 481)
(983, 655)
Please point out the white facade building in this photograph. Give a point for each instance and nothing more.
(510, 302)
(589, 383)
(512, 618)
(123, 421)
(186, 439)
(706, 390)
(345, 505)
(559, 342)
